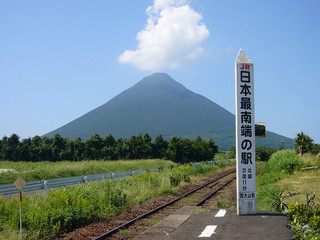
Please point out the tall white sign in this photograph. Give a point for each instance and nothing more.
(245, 135)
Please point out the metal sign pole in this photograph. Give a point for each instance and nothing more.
(20, 211)
(20, 183)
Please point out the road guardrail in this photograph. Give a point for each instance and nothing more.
(8, 189)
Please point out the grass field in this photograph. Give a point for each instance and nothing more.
(278, 177)
(300, 184)
(64, 209)
(282, 185)
(67, 208)
(31, 171)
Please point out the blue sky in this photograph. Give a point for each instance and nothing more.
(61, 59)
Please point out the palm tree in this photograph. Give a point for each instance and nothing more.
(303, 143)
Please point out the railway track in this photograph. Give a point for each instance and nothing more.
(136, 220)
(197, 196)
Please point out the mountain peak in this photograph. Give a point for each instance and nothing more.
(156, 105)
(155, 79)
(160, 76)
(158, 82)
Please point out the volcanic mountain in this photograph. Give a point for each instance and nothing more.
(160, 105)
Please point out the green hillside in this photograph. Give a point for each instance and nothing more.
(160, 105)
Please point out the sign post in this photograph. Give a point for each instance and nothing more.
(245, 135)
(20, 183)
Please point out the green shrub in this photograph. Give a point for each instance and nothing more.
(186, 178)
(305, 219)
(263, 153)
(199, 169)
(221, 164)
(166, 192)
(175, 179)
(148, 177)
(286, 160)
(221, 155)
(279, 205)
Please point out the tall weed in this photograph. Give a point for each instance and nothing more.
(286, 160)
(64, 209)
(280, 163)
(31, 171)
(310, 160)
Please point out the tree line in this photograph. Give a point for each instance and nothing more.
(96, 148)
(304, 144)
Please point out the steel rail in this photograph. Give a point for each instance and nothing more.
(214, 192)
(127, 224)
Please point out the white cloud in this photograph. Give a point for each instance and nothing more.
(173, 35)
(229, 50)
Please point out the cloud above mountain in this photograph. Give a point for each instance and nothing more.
(173, 35)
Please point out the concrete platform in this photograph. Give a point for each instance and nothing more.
(190, 223)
